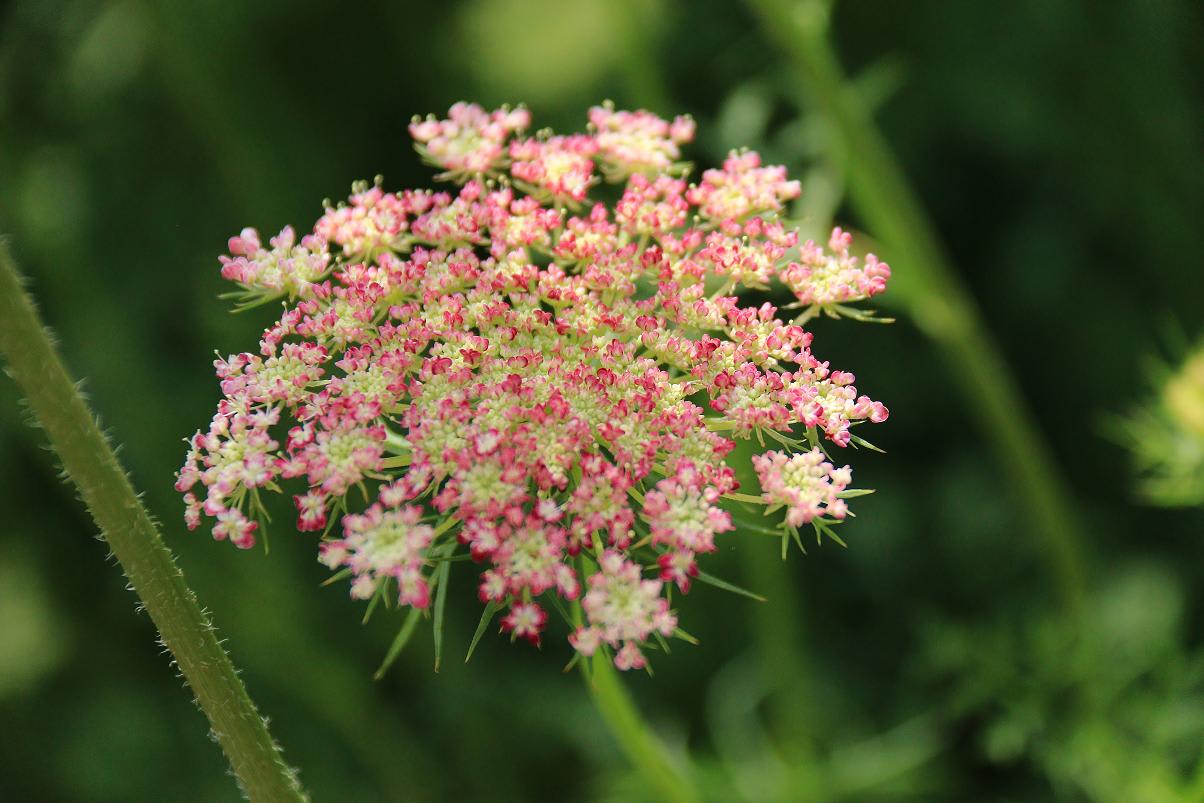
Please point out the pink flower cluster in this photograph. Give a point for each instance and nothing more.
(288, 269)
(384, 543)
(822, 279)
(545, 385)
(624, 609)
(742, 188)
(806, 484)
(638, 142)
(562, 168)
(470, 141)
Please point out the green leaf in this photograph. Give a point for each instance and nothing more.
(863, 315)
(684, 636)
(743, 497)
(337, 576)
(862, 442)
(399, 643)
(798, 539)
(756, 528)
(564, 613)
(441, 575)
(853, 493)
(450, 558)
(376, 598)
(487, 615)
(822, 526)
(790, 443)
(726, 586)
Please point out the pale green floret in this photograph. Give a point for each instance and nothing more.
(746, 398)
(440, 437)
(347, 328)
(686, 515)
(697, 448)
(483, 484)
(550, 449)
(529, 555)
(284, 371)
(372, 382)
(342, 446)
(389, 545)
(587, 406)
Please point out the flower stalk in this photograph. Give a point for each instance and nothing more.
(781, 640)
(641, 747)
(639, 744)
(928, 285)
(91, 464)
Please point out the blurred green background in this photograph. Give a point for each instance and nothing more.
(1057, 146)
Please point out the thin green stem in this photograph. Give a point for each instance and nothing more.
(780, 638)
(92, 466)
(780, 632)
(925, 281)
(642, 748)
(637, 741)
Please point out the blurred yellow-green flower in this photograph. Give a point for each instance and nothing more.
(1166, 436)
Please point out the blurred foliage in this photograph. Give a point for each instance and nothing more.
(1109, 706)
(1166, 434)
(1058, 146)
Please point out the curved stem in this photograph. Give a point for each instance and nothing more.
(926, 282)
(642, 748)
(92, 466)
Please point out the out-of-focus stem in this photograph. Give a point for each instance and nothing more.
(1195, 787)
(936, 297)
(780, 633)
(92, 466)
(641, 746)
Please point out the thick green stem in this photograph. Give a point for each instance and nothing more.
(927, 284)
(642, 748)
(91, 464)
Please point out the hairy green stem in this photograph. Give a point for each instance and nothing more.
(925, 281)
(642, 747)
(92, 466)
